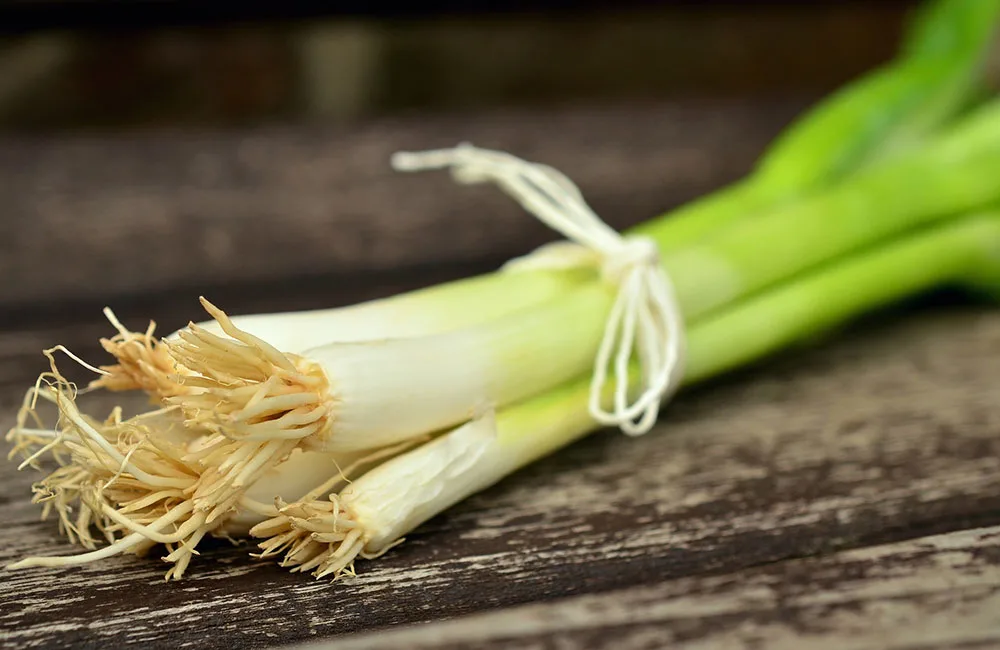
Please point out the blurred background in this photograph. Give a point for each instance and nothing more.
(93, 64)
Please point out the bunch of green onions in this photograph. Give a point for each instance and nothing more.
(331, 434)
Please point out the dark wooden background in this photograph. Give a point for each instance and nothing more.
(846, 495)
(86, 65)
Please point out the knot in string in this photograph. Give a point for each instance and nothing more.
(645, 319)
(634, 252)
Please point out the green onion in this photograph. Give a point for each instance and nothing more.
(271, 403)
(326, 535)
(857, 204)
(218, 473)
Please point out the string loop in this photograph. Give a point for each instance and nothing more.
(645, 321)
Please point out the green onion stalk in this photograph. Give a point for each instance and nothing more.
(880, 192)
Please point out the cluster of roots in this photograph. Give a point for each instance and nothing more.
(231, 410)
(143, 363)
(313, 536)
(126, 479)
(137, 482)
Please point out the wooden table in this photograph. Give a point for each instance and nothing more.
(844, 495)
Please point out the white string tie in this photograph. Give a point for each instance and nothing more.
(645, 320)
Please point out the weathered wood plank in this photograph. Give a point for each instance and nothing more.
(92, 217)
(883, 435)
(932, 592)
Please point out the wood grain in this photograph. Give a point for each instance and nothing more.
(938, 591)
(884, 434)
(89, 218)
